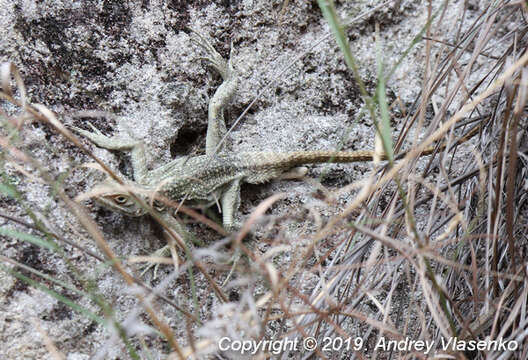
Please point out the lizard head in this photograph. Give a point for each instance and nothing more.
(117, 197)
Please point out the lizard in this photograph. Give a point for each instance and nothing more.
(204, 180)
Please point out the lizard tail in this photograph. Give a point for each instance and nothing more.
(280, 161)
(305, 157)
(323, 156)
(264, 166)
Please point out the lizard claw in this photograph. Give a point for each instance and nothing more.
(94, 136)
(94, 129)
(214, 58)
(199, 40)
(106, 142)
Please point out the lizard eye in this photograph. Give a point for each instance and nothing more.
(120, 199)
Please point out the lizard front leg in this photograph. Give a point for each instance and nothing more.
(216, 128)
(170, 220)
(135, 147)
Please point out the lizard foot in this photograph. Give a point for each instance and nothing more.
(106, 142)
(214, 58)
(164, 253)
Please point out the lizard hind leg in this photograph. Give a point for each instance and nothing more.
(216, 128)
(230, 202)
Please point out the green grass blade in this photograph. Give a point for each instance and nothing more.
(384, 127)
(32, 239)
